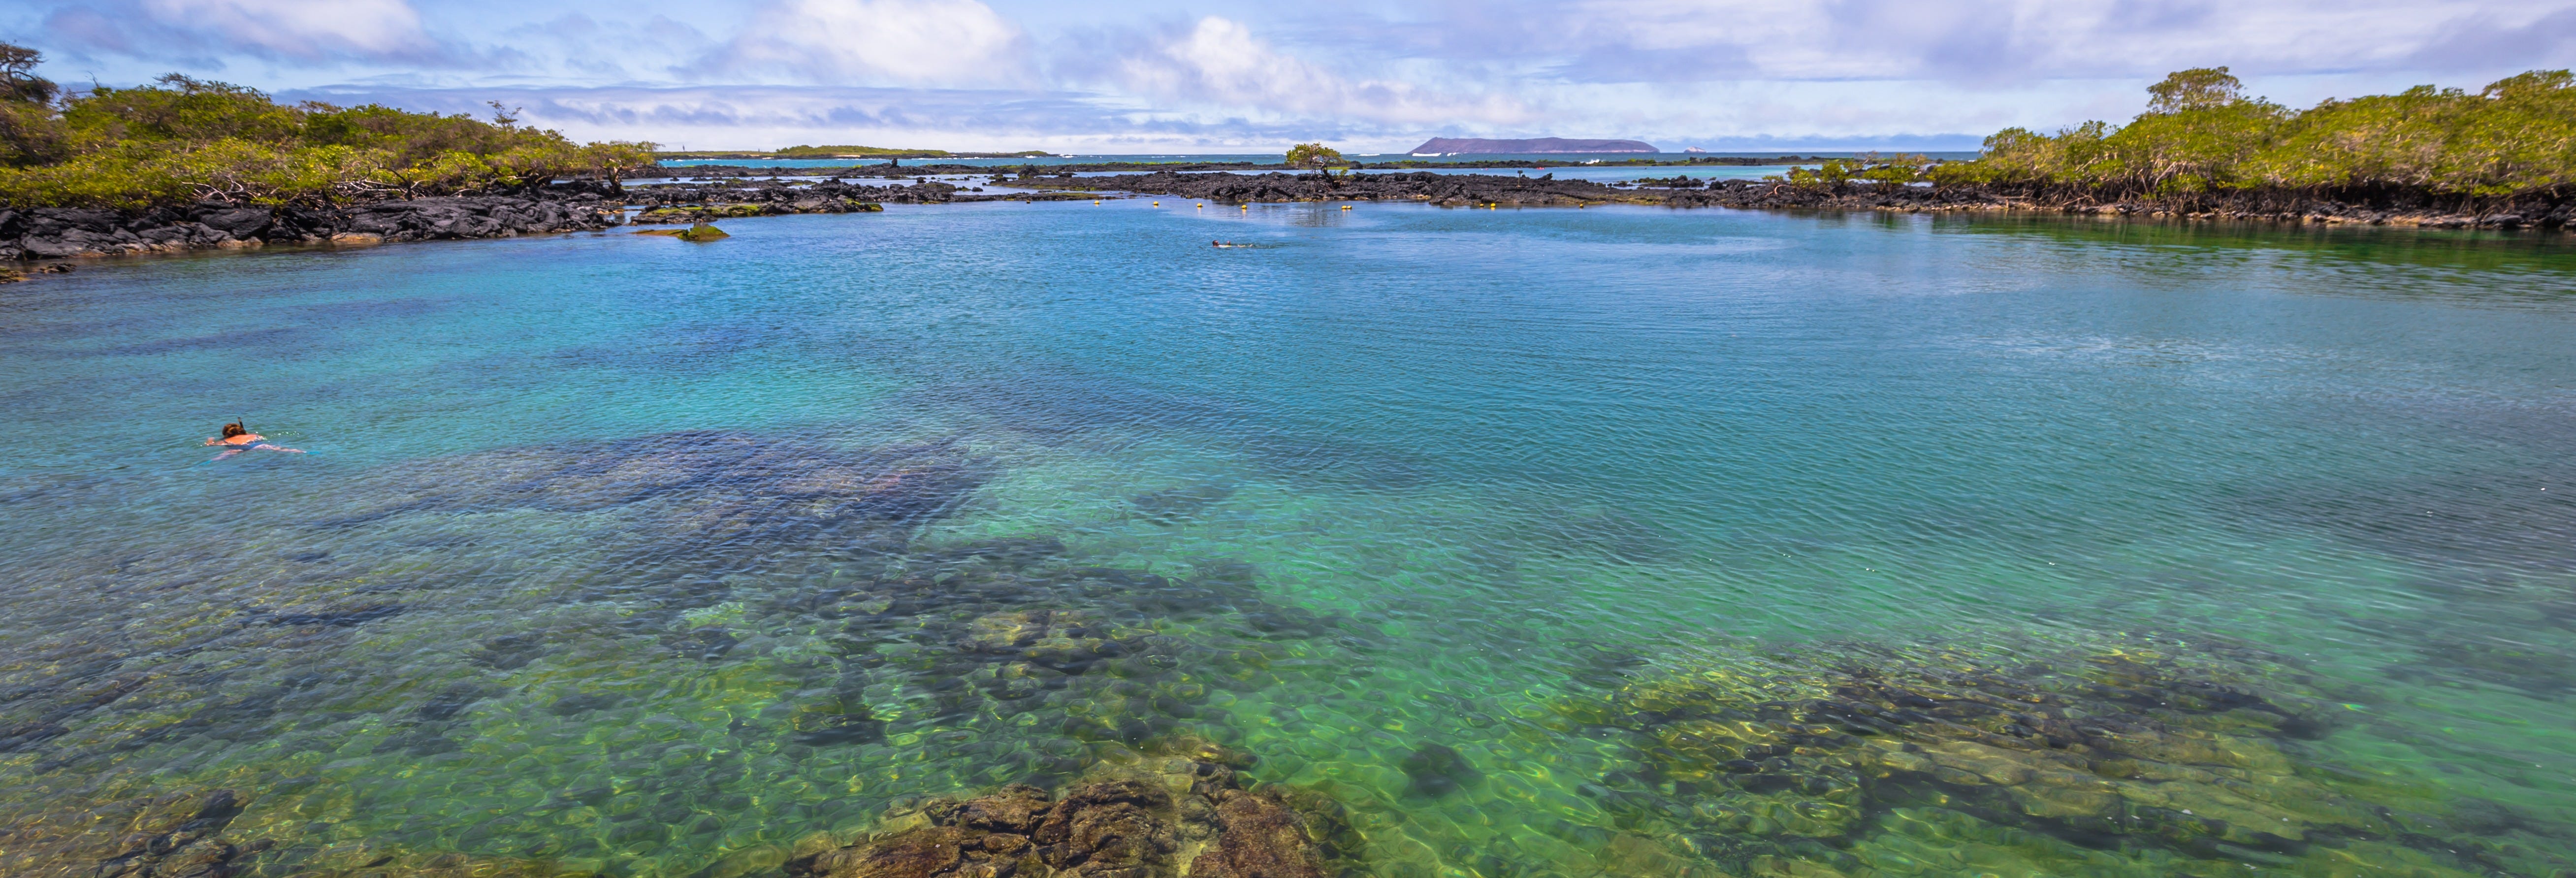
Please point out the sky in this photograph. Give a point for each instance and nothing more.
(1157, 76)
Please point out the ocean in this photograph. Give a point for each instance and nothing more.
(1621, 541)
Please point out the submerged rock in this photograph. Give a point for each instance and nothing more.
(172, 836)
(1786, 757)
(835, 721)
(706, 485)
(1104, 657)
(1176, 815)
(1437, 770)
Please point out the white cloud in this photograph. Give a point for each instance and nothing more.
(1950, 40)
(770, 116)
(306, 29)
(946, 42)
(1364, 75)
(1219, 63)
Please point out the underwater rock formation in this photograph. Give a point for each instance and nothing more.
(784, 580)
(196, 835)
(224, 648)
(1107, 656)
(1438, 770)
(1822, 757)
(172, 836)
(715, 485)
(1186, 813)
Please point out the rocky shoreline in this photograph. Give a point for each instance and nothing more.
(711, 172)
(2366, 208)
(47, 233)
(64, 232)
(56, 233)
(771, 197)
(1485, 190)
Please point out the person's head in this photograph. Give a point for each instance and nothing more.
(234, 429)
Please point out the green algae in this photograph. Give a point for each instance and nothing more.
(2116, 757)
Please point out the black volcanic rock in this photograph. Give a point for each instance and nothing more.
(1478, 145)
(62, 232)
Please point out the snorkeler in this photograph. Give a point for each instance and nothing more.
(237, 439)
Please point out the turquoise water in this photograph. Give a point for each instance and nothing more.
(628, 555)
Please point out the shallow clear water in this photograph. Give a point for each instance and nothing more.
(625, 554)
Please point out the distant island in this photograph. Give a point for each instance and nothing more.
(1478, 145)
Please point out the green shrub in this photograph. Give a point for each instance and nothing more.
(2200, 134)
(182, 139)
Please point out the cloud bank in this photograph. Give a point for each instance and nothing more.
(1155, 76)
(927, 42)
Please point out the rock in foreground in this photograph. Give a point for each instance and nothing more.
(1178, 815)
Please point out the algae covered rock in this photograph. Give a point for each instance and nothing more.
(701, 231)
(1171, 816)
(1827, 758)
(177, 835)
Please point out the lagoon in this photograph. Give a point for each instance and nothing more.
(1713, 542)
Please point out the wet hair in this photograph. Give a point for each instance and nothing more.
(234, 429)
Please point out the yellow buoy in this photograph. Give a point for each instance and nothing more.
(1158, 204)
(1095, 201)
(1346, 207)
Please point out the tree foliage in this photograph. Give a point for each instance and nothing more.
(2201, 134)
(1871, 168)
(1313, 155)
(27, 131)
(181, 140)
(2199, 88)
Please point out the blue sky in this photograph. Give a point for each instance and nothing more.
(1158, 76)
